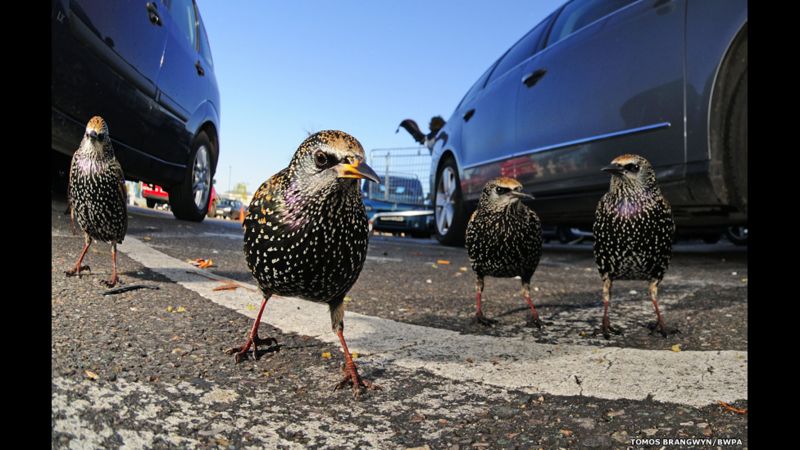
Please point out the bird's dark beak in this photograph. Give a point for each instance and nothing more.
(357, 170)
(92, 134)
(520, 194)
(613, 169)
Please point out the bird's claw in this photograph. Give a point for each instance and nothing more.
(112, 282)
(662, 329)
(239, 353)
(76, 271)
(349, 376)
(607, 330)
(483, 320)
(534, 322)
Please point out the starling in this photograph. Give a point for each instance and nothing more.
(306, 233)
(633, 231)
(504, 239)
(96, 194)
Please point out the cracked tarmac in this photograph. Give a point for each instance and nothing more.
(163, 380)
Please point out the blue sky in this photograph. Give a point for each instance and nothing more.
(285, 68)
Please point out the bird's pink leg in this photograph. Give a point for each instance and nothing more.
(114, 276)
(351, 373)
(660, 321)
(78, 267)
(526, 292)
(253, 339)
(606, 299)
(479, 317)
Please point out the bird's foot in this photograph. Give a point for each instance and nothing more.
(534, 322)
(112, 282)
(483, 320)
(607, 329)
(351, 377)
(662, 329)
(239, 353)
(76, 271)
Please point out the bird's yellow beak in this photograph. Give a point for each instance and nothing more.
(357, 170)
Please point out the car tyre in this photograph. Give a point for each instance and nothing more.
(448, 205)
(736, 144)
(189, 200)
(737, 234)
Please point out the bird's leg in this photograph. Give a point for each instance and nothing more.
(252, 337)
(114, 276)
(350, 372)
(78, 267)
(606, 299)
(71, 213)
(479, 317)
(526, 292)
(660, 321)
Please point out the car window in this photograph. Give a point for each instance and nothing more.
(520, 51)
(473, 91)
(580, 13)
(205, 48)
(183, 14)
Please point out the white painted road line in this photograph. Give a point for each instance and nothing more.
(609, 373)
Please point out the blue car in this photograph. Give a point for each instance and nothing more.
(146, 68)
(666, 79)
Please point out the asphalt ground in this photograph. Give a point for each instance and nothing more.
(158, 375)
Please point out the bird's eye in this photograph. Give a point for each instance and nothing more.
(320, 158)
(501, 190)
(632, 167)
(101, 136)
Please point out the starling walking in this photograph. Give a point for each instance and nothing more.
(504, 239)
(96, 194)
(306, 233)
(633, 231)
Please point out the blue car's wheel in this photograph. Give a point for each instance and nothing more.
(189, 200)
(448, 206)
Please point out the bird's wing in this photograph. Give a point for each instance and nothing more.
(267, 201)
(413, 130)
(121, 191)
(69, 194)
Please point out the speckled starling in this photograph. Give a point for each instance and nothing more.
(633, 231)
(96, 194)
(504, 239)
(306, 233)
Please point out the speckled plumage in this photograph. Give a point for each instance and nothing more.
(306, 230)
(307, 240)
(504, 238)
(633, 229)
(96, 191)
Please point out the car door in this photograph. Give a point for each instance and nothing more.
(182, 82)
(609, 82)
(113, 70)
(489, 130)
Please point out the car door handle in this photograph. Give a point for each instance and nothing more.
(468, 115)
(532, 78)
(199, 67)
(152, 13)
